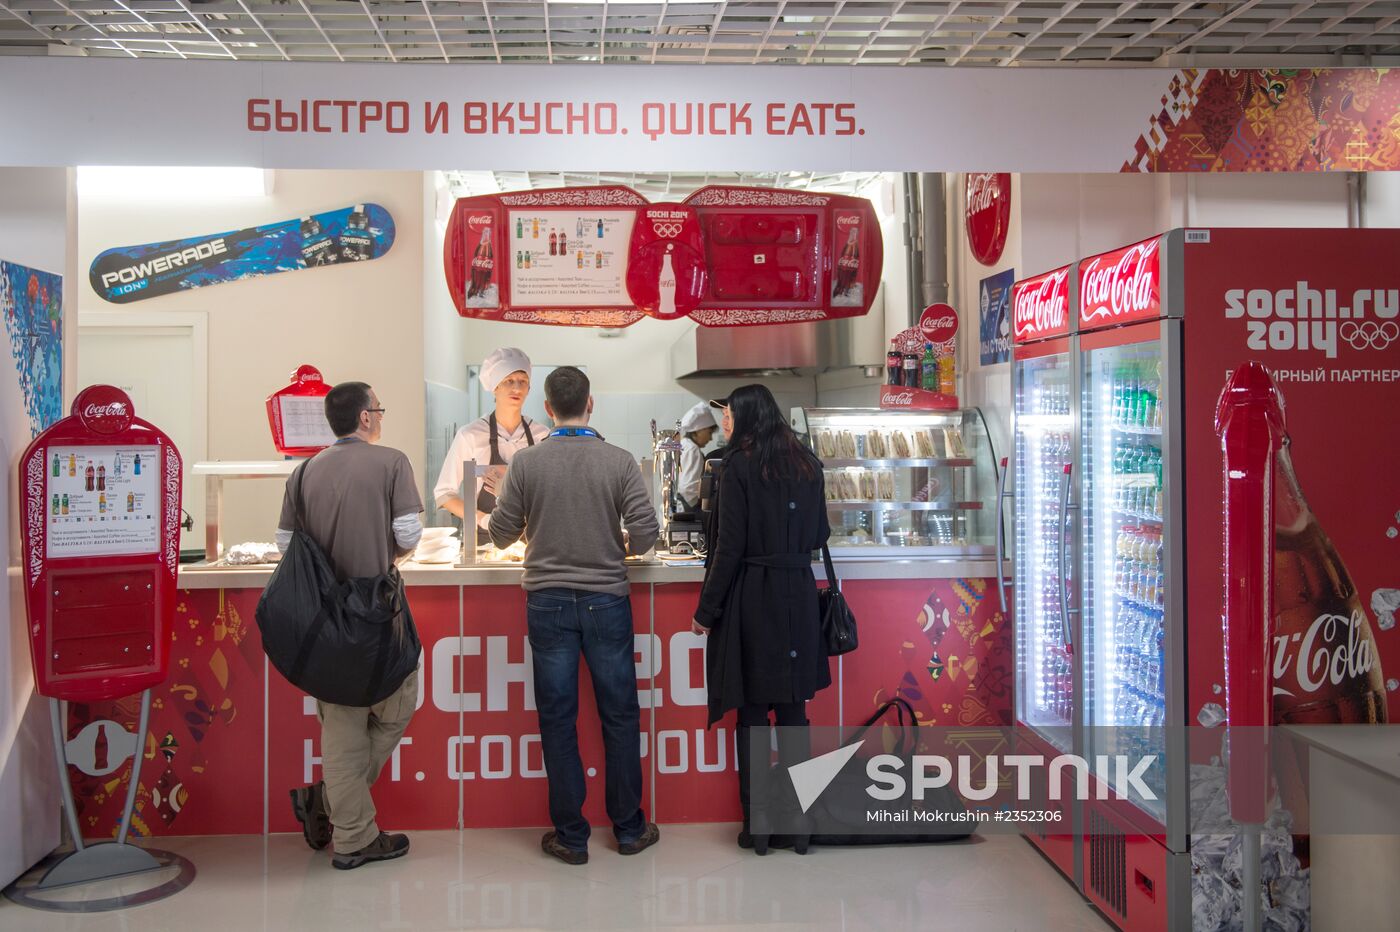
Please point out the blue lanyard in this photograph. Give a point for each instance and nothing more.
(575, 432)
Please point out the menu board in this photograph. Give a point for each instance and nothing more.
(102, 500)
(566, 258)
(304, 421)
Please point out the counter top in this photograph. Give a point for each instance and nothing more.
(205, 576)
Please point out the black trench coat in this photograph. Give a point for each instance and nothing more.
(765, 637)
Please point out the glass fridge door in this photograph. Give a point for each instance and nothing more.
(1044, 430)
(1125, 586)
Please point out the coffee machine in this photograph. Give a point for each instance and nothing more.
(681, 528)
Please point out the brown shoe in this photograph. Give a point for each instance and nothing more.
(384, 848)
(650, 836)
(551, 845)
(309, 807)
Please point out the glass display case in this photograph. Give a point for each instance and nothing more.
(916, 483)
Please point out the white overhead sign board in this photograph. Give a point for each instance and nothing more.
(65, 111)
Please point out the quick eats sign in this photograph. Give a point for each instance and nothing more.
(653, 119)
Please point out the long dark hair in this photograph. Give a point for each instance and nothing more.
(761, 431)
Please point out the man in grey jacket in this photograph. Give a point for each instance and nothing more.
(571, 495)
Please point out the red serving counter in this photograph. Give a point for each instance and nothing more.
(229, 736)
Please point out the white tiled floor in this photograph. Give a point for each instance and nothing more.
(695, 878)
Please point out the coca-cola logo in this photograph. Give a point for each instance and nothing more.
(1333, 651)
(1120, 285)
(1041, 306)
(988, 214)
(938, 323)
(899, 398)
(477, 222)
(847, 221)
(114, 409)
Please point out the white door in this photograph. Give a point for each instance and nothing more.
(160, 359)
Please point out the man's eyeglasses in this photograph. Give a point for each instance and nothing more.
(375, 410)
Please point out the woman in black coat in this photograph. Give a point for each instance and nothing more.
(759, 600)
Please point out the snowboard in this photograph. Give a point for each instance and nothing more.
(135, 273)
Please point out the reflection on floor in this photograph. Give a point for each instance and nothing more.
(695, 878)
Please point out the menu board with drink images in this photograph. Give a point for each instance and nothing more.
(102, 500)
(565, 258)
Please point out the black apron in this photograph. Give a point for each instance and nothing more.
(486, 501)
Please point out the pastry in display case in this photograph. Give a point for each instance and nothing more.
(922, 483)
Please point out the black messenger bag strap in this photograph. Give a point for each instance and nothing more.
(830, 567)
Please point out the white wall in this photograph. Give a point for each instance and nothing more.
(354, 322)
(34, 231)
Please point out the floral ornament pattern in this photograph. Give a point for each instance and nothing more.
(1274, 120)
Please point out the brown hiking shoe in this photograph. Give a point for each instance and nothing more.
(309, 806)
(650, 836)
(551, 845)
(384, 848)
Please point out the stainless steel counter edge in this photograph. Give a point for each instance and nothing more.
(200, 576)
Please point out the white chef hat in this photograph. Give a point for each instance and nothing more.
(697, 418)
(502, 363)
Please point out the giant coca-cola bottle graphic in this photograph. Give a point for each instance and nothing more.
(1325, 665)
(483, 265)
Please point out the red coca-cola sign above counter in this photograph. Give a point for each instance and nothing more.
(1040, 306)
(606, 257)
(988, 214)
(1122, 286)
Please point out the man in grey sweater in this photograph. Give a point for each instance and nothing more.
(571, 495)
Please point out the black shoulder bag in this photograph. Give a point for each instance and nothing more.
(838, 624)
(338, 642)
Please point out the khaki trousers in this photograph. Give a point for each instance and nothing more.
(356, 741)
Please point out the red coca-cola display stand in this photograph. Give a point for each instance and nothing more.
(297, 414)
(1249, 420)
(938, 324)
(100, 537)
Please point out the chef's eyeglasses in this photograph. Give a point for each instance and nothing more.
(375, 410)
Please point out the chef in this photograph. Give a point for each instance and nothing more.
(697, 428)
(493, 439)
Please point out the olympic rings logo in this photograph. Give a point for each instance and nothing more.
(1369, 334)
(666, 230)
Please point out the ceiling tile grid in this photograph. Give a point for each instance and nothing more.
(975, 32)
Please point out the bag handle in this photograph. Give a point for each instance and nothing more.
(299, 505)
(830, 568)
(901, 706)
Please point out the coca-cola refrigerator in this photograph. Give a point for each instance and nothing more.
(1044, 414)
(1155, 329)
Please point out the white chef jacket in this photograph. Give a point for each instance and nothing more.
(692, 468)
(473, 442)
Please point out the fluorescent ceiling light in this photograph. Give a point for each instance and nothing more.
(165, 183)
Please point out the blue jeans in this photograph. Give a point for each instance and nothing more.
(563, 623)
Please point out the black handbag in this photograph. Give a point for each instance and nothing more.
(845, 802)
(838, 624)
(350, 643)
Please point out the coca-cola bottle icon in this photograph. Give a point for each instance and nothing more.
(666, 287)
(847, 266)
(99, 749)
(563, 243)
(553, 243)
(101, 477)
(89, 477)
(483, 265)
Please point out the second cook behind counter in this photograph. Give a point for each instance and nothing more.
(492, 440)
